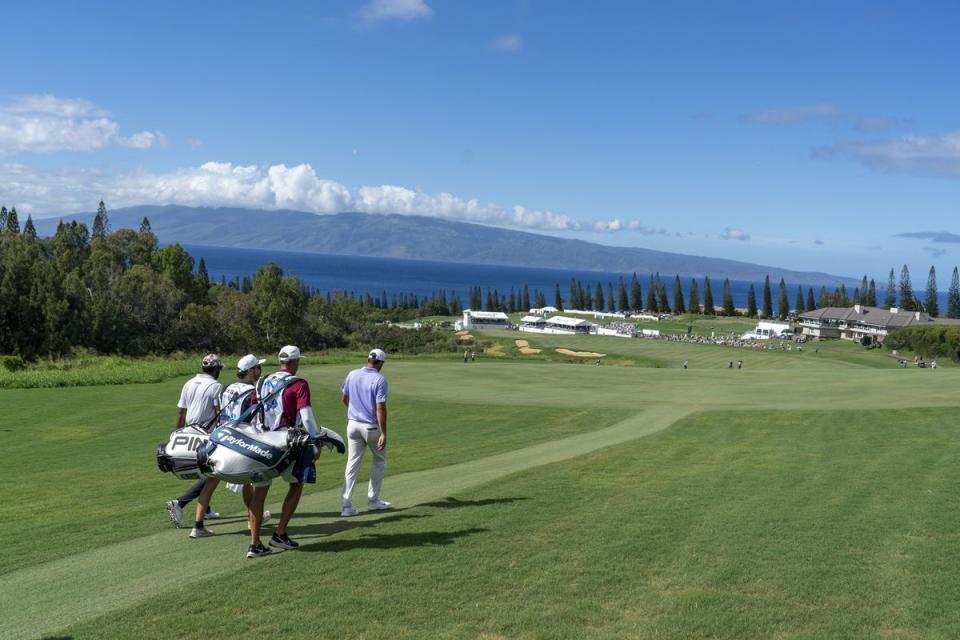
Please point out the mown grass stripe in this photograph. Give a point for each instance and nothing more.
(56, 595)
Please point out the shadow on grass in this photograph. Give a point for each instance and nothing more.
(453, 503)
(393, 540)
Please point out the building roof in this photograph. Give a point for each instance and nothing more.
(874, 316)
(487, 315)
(564, 321)
(532, 319)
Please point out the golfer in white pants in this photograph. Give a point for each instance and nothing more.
(365, 396)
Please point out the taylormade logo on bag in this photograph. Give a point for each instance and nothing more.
(252, 447)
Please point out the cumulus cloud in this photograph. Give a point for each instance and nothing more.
(929, 155)
(734, 234)
(377, 11)
(614, 225)
(509, 43)
(932, 236)
(820, 113)
(45, 124)
(273, 187)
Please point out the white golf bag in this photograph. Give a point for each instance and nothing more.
(179, 454)
(241, 453)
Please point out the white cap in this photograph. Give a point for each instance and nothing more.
(248, 362)
(289, 352)
(377, 354)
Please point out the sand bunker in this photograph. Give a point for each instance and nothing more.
(581, 354)
(525, 348)
(464, 337)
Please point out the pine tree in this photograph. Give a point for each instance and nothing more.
(145, 225)
(557, 299)
(930, 302)
(202, 274)
(101, 223)
(636, 294)
(622, 301)
(652, 296)
(871, 299)
(611, 303)
(525, 298)
(694, 306)
(862, 298)
(663, 302)
(783, 304)
(598, 301)
(542, 299)
(728, 308)
(29, 231)
(799, 302)
(767, 299)
(953, 296)
(890, 301)
(907, 302)
(751, 302)
(13, 224)
(586, 300)
(708, 307)
(678, 305)
(574, 295)
(811, 303)
(3, 219)
(823, 300)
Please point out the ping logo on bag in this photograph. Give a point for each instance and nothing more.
(236, 441)
(192, 443)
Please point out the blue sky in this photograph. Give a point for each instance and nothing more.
(807, 135)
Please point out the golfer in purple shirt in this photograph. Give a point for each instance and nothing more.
(365, 396)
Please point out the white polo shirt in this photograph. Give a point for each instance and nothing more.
(201, 398)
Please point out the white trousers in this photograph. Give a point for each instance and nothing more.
(359, 436)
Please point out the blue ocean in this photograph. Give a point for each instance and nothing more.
(359, 275)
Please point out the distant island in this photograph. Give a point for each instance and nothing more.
(422, 238)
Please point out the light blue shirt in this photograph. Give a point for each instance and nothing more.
(365, 387)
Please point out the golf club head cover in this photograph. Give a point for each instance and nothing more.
(331, 440)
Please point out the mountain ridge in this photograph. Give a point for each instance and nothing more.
(422, 238)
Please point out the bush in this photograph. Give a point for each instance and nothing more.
(13, 363)
(938, 341)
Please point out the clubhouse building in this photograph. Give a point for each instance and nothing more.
(863, 324)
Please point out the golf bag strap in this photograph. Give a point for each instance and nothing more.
(261, 401)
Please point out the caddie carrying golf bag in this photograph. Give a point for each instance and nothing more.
(241, 453)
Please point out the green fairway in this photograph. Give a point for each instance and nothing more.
(806, 495)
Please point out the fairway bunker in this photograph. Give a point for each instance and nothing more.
(581, 354)
(525, 348)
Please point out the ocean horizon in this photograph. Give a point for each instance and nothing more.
(327, 273)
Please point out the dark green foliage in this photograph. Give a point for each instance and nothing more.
(101, 223)
(891, 298)
(29, 231)
(623, 302)
(799, 306)
(728, 308)
(811, 303)
(651, 305)
(611, 302)
(636, 295)
(598, 301)
(907, 300)
(751, 302)
(953, 296)
(678, 305)
(767, 309)
(708, 306)
(13, 224)
(557, 299)
(783, 304)
(694, 306)
(930, 303)
(872, 294)
(937, 341)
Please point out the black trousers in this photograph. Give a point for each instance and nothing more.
(193, 492)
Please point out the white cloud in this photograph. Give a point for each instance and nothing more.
(929, 155)
(823, 113)
(377, 11)
(734, 234)
(509, 43)
(612, 226)
(273, 187)
(44, 124)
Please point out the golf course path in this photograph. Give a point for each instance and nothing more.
(53, 596)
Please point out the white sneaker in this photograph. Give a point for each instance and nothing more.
(175, 513)
(266, 517)
(200, 533)
(378, 505)
(211, 515)
(348, 511)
